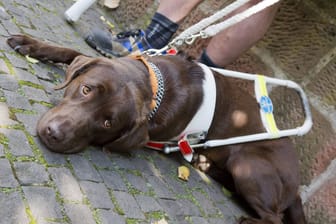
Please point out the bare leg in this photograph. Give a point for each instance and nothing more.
(229, 44)
(177, 10)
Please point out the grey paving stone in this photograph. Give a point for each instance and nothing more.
(189, 208)
(49, 88)
(12, 210)
(167, 163)
(10, 26)
(66, 184)
(7, 178)
(18, 143)
(17, 60)
(138, 182)
(3, 69)
(207, 205)
(35, 94)
(79, 213)
(4, 115)
(177, 185)
(129, 205)
(26, 76)
(23, 19)
(232, 209)
(148, 204)
(214, 190)
(52, 158)
(29, 121)
(171, 207)
(135, 162)
(7, 82)
(109, 217)
(97, 194)
(180, 219)
(2, 151)
(16, 100)
(31, 173)
(42, 202)
(99, 158)
(113, 180)
(84, 169)
(122, 161)
(42, 72)
(219, 221)
(3, 14)
(3, 44)
(161, 188)
(40, 108)
(199, 220)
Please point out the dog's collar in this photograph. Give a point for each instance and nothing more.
(156, 81)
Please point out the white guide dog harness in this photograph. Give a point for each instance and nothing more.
(194, 134)
(199, 125)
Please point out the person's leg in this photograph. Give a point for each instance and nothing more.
(157, 35)
(177, 10)
(229, 44)
(165, 21)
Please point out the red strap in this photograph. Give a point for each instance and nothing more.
(183, 144)
(155, 145)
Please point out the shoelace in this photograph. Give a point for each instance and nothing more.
(130, 33)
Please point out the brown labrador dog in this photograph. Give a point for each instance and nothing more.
(107, 103)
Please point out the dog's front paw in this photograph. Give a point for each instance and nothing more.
(21, 44)
(201, 162)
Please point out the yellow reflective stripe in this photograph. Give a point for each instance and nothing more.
(262, 85)
(269, 117)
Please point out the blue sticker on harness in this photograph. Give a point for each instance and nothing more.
(266, 104)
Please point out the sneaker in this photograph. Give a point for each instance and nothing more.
(122, 44)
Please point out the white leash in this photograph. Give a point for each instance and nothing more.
(204, 29)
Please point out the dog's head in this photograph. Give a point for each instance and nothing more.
(104, 104)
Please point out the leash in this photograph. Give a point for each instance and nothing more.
(204, 29)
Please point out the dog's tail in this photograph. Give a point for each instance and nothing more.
(294, 213)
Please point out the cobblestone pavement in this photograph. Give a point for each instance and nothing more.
(37, 186)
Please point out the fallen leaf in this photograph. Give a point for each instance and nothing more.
(32, 60)
(183, 172)
(162, 221)
(108, 23)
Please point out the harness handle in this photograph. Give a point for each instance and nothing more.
(270, 133)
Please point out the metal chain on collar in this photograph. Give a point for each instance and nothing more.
(160, 91)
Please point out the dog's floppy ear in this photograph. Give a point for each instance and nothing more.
(137, 136)
(78, 66)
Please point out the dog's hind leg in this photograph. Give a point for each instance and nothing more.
(258, 182)
(294, 213)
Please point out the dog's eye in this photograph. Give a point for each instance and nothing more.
(86, 90)
(107, 124)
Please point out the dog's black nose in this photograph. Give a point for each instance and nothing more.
(53, 133)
